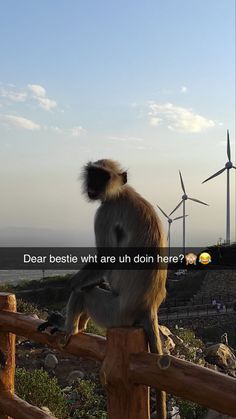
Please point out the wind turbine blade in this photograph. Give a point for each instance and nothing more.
(182, 182)
(215, 174)
(178, 218)
(234, 167)
(228, 146)
(197, 200)
(162, 212)
(176, 207)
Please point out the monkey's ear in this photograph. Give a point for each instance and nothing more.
(124, 177)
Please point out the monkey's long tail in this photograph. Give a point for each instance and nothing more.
(155, 346)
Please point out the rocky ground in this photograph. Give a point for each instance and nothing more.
(67, 368)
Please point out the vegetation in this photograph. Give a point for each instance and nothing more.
(38, 389)
(91, 404)
(189, 410)
(191, 348)
(29, 308)
(95, 329)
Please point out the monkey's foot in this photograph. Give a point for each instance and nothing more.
(55, 321)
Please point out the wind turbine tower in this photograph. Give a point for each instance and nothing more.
(228, 166)
(185, 197)
(170, 221)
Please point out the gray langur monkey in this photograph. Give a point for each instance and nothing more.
(132, 297)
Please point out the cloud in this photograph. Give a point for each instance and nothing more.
(38, 90)
(46, 103)
(56, 129)
(15, 96)
(39, 94)
(183, 89)
(20, 122)
(177, 118)
(126, 139)
(78, 131)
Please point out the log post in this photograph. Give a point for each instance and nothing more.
(7, 348)
(125, 400)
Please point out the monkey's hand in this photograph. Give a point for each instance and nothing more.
(55, 321)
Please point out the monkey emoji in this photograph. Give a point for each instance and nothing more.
(191, 259)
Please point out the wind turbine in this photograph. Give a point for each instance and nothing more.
(170, 221)
(228, 165)
(184, 199)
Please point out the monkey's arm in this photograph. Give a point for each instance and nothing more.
(88, 278)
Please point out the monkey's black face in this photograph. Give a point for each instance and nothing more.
(97, 179)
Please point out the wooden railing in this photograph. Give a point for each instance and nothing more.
(127, 370)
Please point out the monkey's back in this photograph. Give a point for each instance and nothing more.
(128, 220)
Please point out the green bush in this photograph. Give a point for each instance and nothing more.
(91, 404)
(5, 288)
(95, 329)
(190, 410)
(189, 337)
(38, 389)
(29, 308)
(191, 347)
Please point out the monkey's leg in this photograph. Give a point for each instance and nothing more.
(150, 325)
(82, 281)
(100, 304)
(97, 303)
(74, 311)
(104, 307)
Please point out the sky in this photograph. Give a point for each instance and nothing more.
(150, 84)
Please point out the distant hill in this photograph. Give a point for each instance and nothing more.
(42, 237)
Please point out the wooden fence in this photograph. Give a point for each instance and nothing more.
(127, 370)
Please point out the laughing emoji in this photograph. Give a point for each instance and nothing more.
(204, 258)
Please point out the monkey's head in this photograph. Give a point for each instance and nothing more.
(103, 179)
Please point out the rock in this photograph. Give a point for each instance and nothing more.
(75, 375)
(167, 339)
(50, 362)
(221, 356)
(212, 367)
(67, 389)
(46, 410)
(174, 413)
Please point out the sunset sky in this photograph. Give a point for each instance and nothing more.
(150, 84)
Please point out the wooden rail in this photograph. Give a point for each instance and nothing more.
(127, 370)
